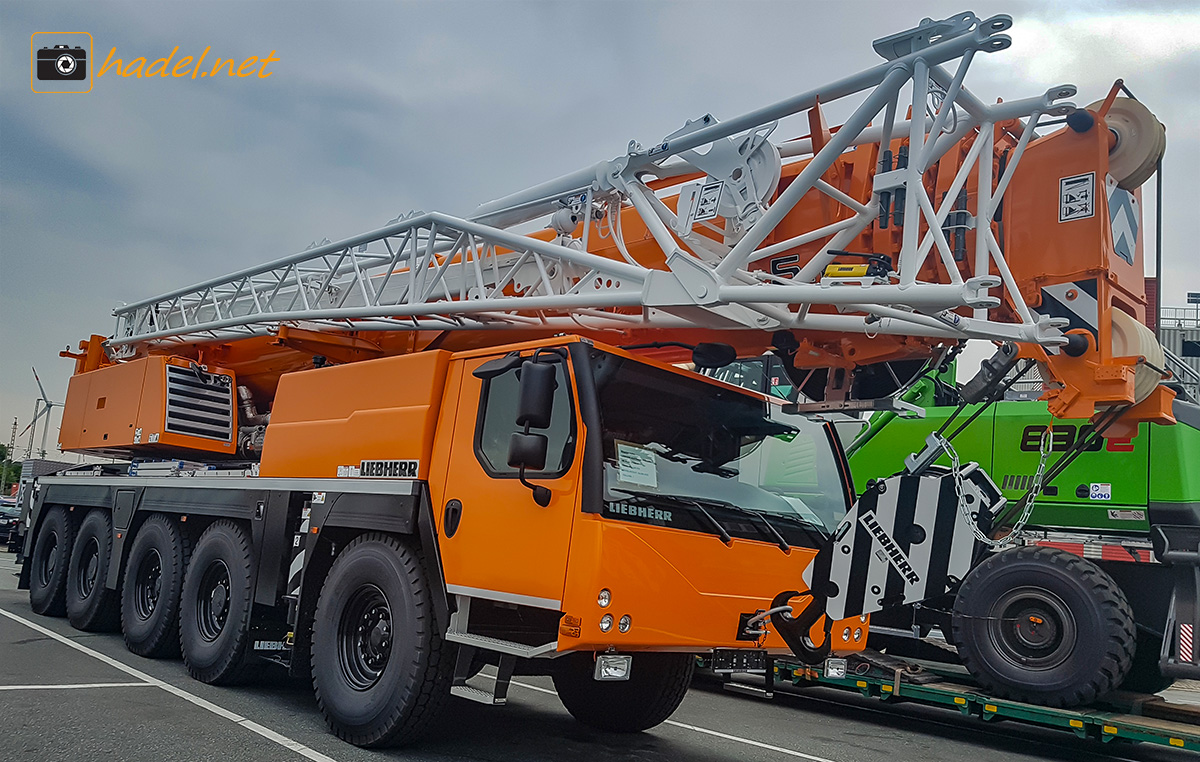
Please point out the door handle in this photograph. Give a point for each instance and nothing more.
(451, 516)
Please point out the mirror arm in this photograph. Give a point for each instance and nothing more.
(541, 495)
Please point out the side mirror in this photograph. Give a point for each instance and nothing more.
(537, 395)
(527, 451)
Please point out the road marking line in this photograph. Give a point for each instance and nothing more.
(694, 728)
(250, 725)
(73, 686)
(748, 741)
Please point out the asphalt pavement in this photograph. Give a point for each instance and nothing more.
(67, 695)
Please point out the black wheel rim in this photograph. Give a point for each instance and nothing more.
(364, 637)
(1033, 628)
(89, 567)
(212, 600)
(147, 586)
(49, 559)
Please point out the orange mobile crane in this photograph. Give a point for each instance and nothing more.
(393, 459)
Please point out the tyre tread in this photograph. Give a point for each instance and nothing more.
(412, 716)
(164, 641)
(1112, 666)
(236, 663)
(104, 615)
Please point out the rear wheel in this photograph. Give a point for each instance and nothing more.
(214, 616)
(91, 606)
(380, 669)
(150, 592)
(656, 686)
(1043, 626)
(51, 561)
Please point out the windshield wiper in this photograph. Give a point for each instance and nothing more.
(698, 503)
(648, 498)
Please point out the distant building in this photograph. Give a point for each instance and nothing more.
(1180, 336)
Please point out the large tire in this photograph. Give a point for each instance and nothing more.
(51, 561)
(380, 668)
(655, 689)
(91, 606)
(1043, 626)
(214, 615)
(152, 584)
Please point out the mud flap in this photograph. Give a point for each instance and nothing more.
(905, 540)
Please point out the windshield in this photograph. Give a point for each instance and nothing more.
(764, 373)
(684, 443)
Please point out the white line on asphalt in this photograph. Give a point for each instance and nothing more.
(250, 725)
(694, 728)
(72, 686)
(748, 741)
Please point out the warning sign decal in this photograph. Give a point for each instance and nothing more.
(1077, 197)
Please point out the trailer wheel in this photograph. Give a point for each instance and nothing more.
(152, 583)
(380, 668)
(1043, 626)
(51, 563)
(655, 689)
(91, 606)
(214, 615)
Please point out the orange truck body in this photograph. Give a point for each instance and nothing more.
(683, 590)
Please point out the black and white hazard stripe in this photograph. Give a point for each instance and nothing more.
(904, 541)
(296, 568)
(1075, 301)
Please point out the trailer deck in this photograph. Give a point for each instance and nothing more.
(1120, 717)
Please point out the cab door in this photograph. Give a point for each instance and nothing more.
(502, 545)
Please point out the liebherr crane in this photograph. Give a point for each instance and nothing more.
(444, 443)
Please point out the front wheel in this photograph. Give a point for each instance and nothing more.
(380, 669)
(656, 686)
(1043, 626)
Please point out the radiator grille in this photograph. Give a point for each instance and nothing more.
(1017, 481)
(196, 408)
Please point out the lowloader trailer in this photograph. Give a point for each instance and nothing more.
(1121, 717)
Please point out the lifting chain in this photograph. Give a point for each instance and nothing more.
(1045, 447)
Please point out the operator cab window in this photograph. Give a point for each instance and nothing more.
(497, 422)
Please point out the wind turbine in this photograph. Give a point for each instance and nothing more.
(41, 407)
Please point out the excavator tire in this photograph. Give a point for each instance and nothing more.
(655, 689)
(1043, 626)
(380, 668)
(51, 562)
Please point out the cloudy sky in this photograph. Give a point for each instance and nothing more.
(377, 108)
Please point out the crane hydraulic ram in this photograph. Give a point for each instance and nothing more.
(467, 445)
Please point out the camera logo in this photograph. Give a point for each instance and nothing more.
(60, 63)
